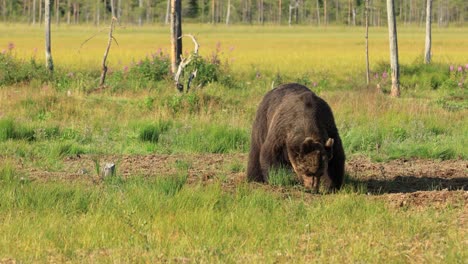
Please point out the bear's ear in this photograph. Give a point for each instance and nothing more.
(329, 147)
(308, 146)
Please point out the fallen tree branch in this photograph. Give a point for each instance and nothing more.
(184, 62)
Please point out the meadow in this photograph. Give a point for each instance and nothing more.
(190, 212)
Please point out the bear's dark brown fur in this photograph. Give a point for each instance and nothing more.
(294, 127)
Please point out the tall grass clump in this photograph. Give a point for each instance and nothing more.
(172, 184)
(63, 149)
(7, 173)
(211, 138)
(152, 132)
(11, 130)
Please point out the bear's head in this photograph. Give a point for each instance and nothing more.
(310, 161)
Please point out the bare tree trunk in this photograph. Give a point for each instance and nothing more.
(349, 12)
(168, 10)
(318, 13)
(213, 5)
(176, 34)
(279, 12)
(140, 18)
(69, 12)
(184, 62)
(354, 16)
(34, 12)
(367, 42)
(4, 10)
(291, 9)
(228, 12)
(148, 12)
(392, 35)
(75, 12)
(427, 50)
(57, 12)
(260, 12)
(40, 12)
(109, 43)
(119, 10)
(48, 49)
(112, 8)
(337, 10)
(296, 12)
(325, 16)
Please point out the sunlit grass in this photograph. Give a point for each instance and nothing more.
(164, 219)
(269, 48)
(168, 219)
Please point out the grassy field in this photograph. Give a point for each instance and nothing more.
(169, 217)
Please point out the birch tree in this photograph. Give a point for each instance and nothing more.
(34, 12)
(427, 50)
(48, 50)
(140, 11)
(228, 12)
(176, 34)
(367, 42)
(392, 37)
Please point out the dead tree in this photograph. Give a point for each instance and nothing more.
(184, 62)
(291, 8)
(109, 43)
(49, 61)
(427, 50)
(367, 42)
(176, 34)
(392, 36)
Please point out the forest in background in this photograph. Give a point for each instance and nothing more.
(306, 12)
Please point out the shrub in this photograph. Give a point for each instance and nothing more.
(154, 68)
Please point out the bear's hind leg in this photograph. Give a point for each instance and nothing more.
(254, 171)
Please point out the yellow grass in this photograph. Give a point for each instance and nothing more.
(269, 48)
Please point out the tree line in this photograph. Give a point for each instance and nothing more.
(286, 12)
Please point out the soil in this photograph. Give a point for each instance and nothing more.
(402, 182)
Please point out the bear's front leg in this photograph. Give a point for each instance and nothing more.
(268, 158)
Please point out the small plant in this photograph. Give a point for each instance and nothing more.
(236, 167)
(183, 165)
(458, 75)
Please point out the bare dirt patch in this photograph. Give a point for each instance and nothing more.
(402, 182)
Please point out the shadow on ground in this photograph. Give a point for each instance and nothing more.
(409, 184)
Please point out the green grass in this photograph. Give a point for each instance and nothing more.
(45, 119)
(166, 220)
(282, 177)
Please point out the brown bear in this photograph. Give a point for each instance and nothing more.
(295, 128)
